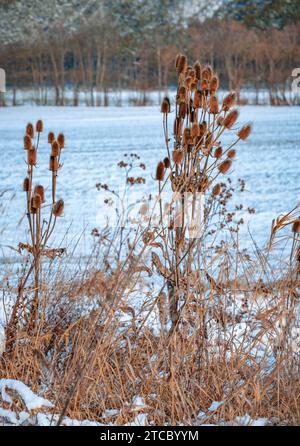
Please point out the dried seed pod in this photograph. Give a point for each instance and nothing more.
(36, 201)
(203, 128)
(230, 119)
(216, 190)
(197, 68)
(182, 93)
(296, 226)
(197, 99)
(51, 137)
(207, 72)
(178, 127)
(39, 189)
(225, 166)
(244, 132)
(26, 185)
(213, 105)
(160, 171)
(165, 106)
(53, 166)
(208, 139)
(181, 63)
(30, 130)
(218, 153)
(204, 84)
(27, 142)
(188, 82)
(214, 84)
(231, 153)
(182, 110)
(167, 163)
(58, 208)
(61, 140)
(32, 209)
(55, 149)
(31, 156)
(192, 116)
(177, 156)
(39, 126)
(186, 139)
(195, 130)
(228, 101)
(220, 121)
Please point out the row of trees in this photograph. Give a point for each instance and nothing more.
(132, 44)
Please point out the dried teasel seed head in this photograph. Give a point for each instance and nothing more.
(220, 121)
(225, 166)
(61, 140)
(160, 171)
(213, 105)
(204, 84)
(182, 110)
(186, 136)
(218, 153)
(228, 101)
(208, 140)
(207, 72)
(197, 99)
(26, 185)
(39, 126)
(36, 201)
(182, 93)
(51, 137)
(231, 153)
(55, 149)
(30, 130)
(27, 142)
(216, 190)
(58, 208)
(53, 165)
(230, 119)
(177, 126)
(167, 162)
(195, 130)
(197, 68)
(188, 82)
(177, 156)
(39, 189)
(244, 132)
(31, 156)
(296, 226)
(165, 105)
(181, 63)
(32, 209)
(214, 84)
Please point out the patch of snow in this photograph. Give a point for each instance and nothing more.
(31, 400)
(215, 405)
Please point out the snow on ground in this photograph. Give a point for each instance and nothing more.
(97, 138)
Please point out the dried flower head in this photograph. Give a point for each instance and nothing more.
(53, 165)
(165, 106)
(225, 166)
(181, 63)
(55, 149)
(214, 84)
(228, 101)
(31, 156)
(58, 208)
(218, 152)
(30, 130)
(182, 110)
(231, 153)
(216, 190)
(207, 72)
(39, 126)
(27, 142)
(244, 132)
(213, 104)
(36, 201)
(160, 171)
(230, 119)
(61, 140)
(26, 185)
(296, 226)
(167, 163)
(51, 137)
(177, 156)
(39, 189)
(197, 69)
(197, 99)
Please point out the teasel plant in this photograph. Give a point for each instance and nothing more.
(40, 226)
(194, 169)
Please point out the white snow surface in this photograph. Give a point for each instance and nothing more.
(30, 399)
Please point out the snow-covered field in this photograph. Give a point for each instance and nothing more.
(97, 138)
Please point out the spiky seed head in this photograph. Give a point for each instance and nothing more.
(27, 142)
(61, 140)
(228, 101)
(225, 166)
(160, 171)
(231, 153)
(53, 165)
(167, 163)
(296, 226)
(181, 63)
(213, 105)
(39, 126)
(36, 202)
(214, 84)
(204, 84)
(195, 130)
(165, 105)
(182, 110)
(31, 156)
(207, 72)
(244, 132)
(216, 190)
(26, 185)
(32, 209)
(58, 208)
(30, 130)
(197, 68)
(177, 156)
(230, 119)
(39, 189)
(197, 99)
(178, 126)
(51, 137)
(218, 153)
(55, 149)
(182, 93)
